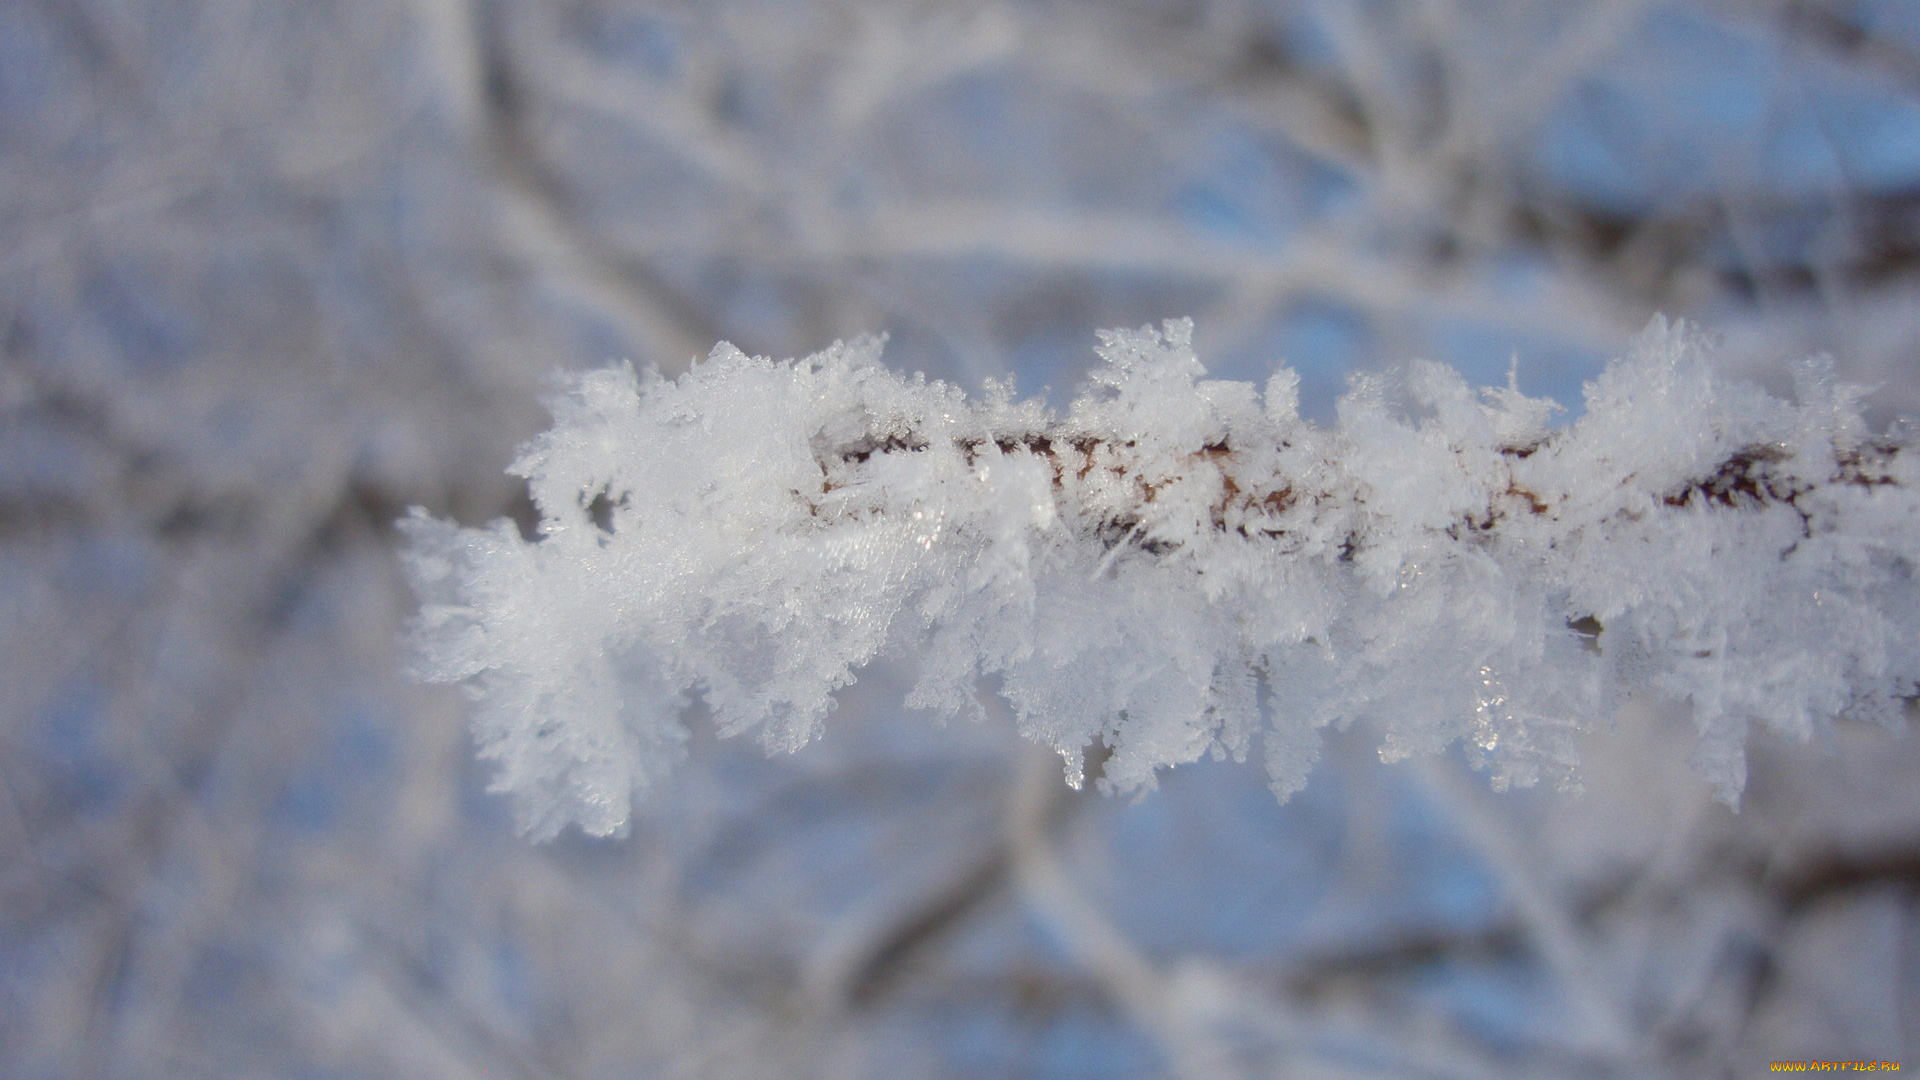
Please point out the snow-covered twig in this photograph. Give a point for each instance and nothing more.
(1143, 570)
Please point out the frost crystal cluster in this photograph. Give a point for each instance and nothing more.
(1177, 566)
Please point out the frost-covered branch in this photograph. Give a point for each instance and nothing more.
(1176, 566)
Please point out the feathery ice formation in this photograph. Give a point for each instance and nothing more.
(1177, 566)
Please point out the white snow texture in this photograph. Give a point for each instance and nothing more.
(1176, 567)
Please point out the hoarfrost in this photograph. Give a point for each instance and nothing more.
(1177, 566)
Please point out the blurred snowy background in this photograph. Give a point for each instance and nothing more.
(270, 272)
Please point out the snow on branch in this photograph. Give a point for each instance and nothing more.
(1177, 566)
